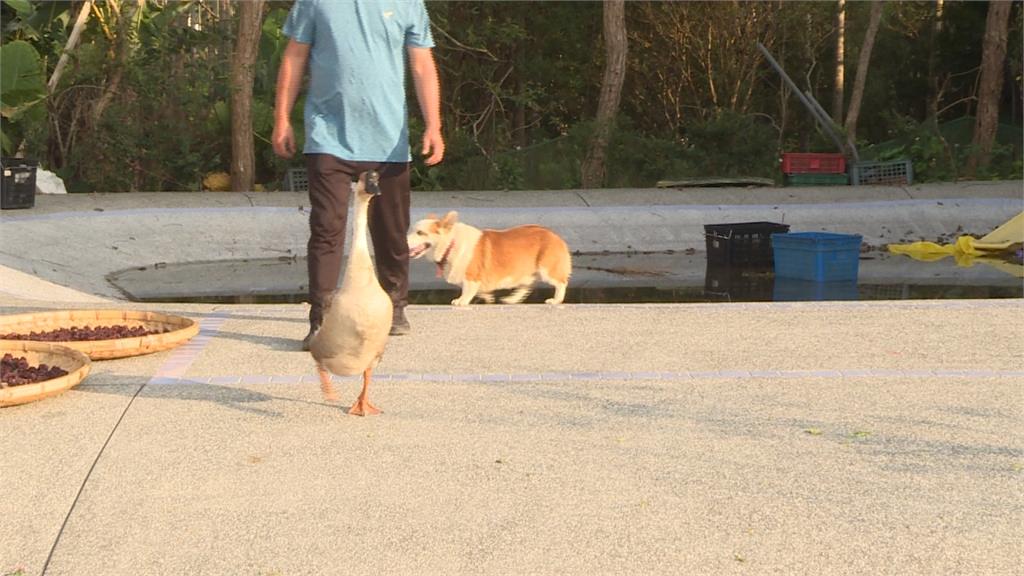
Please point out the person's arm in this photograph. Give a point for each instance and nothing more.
(289, 81)
(428, 92)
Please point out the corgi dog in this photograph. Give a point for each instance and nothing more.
(482, 261)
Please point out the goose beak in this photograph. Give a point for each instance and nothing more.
(373, 183)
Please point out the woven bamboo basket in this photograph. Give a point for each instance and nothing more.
(76, 363)
(181, 330)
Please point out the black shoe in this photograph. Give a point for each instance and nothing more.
(399, 324)
(306, 340)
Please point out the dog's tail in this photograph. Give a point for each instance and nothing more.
(556, 259)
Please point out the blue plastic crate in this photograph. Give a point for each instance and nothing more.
(791, 290)
(817, 256)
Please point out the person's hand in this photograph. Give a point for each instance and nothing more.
(283, 140)
(433, 147)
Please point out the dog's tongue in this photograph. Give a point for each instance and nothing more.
(440, 269)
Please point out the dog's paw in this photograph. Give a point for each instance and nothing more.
(459, 302)
(551, 301)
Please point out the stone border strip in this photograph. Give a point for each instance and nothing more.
(1011, 303)
(174, 368)
(535, 377)
(951, 303)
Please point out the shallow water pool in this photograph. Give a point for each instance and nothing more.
(597, 278)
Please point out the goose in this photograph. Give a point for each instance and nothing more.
(357, 317)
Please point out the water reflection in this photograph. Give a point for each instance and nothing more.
(597, 278)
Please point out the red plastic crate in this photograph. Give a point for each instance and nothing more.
(813, 163)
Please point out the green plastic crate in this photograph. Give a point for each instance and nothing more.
(817, 180)
(893, 173)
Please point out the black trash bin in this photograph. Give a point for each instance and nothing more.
(18, 189)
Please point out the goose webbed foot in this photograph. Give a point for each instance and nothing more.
(363, 407)
(326, 386)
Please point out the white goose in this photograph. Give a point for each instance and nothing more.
(357, 317)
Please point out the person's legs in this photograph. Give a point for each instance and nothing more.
(389, 224)
(330, 181)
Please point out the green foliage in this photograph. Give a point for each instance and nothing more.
(732, 144)
(22, 7)
(21, 88)
(940, 152)
(520, 85)
(156, 135)
(270, 167)
(170, 123)
(932, 157)
(32, 37)
(516, 73)
(21, 78)
(548, 165)
(633, 158)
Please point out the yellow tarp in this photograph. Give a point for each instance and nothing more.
(968, 250)
(1012, 231)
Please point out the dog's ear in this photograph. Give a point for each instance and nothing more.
(450, 219)
(430, 216)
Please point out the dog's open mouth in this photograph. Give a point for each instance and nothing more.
(418, 251)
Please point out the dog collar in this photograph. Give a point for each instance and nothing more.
(444, 259)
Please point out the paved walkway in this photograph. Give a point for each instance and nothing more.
(820, 438)
(790, 438)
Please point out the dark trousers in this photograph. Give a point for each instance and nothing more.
(330, 180)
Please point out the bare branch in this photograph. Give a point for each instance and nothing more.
(464, 47)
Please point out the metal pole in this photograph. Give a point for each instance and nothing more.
(825, 118)
(816, 111)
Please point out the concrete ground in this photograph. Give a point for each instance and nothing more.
(764, 438)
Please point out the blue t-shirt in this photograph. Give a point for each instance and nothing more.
(356, 104)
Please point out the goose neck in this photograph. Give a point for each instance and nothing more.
(360, 252)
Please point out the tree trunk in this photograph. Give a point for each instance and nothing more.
(934, 92)
(615, 43)
(519, 58)
(838, 86)
(243, 158)
(51, 84)
(993, 58)
(124, 48)
(76, 33)
(862, 70)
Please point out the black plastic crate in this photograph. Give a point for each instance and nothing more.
(747, 244)
(738, 284)
(18, 189)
